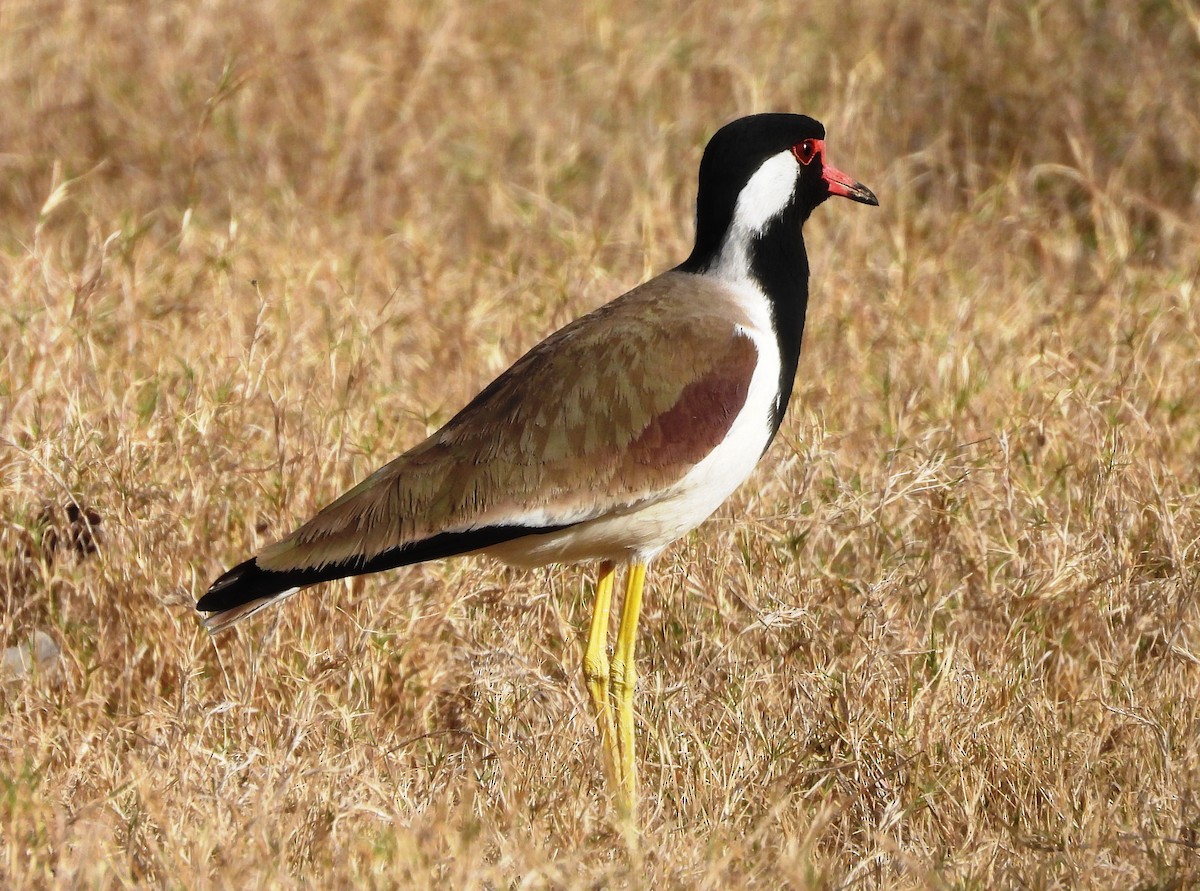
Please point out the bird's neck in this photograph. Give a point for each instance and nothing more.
(779, 263)
(773, 263)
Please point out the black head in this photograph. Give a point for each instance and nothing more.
(782, 157)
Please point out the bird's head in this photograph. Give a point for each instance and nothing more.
(764, 170)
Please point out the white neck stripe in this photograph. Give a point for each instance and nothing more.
(769, 191)
(766, 194)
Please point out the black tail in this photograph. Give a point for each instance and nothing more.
(248, 581)
(248, 587)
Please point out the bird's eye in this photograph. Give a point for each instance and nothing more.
(805, 151)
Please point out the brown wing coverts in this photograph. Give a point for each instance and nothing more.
(601, 415)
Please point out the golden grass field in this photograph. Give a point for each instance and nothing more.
(947, 637)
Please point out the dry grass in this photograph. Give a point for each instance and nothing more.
(947, 637)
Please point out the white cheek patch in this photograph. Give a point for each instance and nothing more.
(761, 200)
(767, 193)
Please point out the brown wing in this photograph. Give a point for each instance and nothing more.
(603, 414)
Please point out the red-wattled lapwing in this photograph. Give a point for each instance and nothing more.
(611, 438)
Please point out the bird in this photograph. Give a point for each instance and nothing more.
(611, 438)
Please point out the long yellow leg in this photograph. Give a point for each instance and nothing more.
(596, 669)
(624, 680)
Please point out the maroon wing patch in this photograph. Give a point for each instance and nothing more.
(695, 425)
